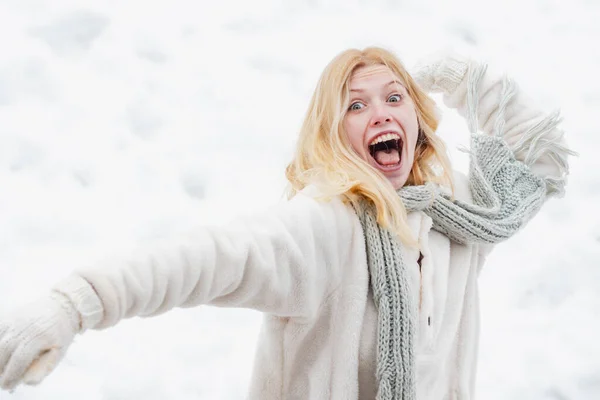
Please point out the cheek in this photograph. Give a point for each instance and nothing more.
(412, 130)
(354, 133)
(410, 126)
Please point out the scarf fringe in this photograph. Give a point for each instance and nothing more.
(475, 76)
(509, 90)
(540, 140)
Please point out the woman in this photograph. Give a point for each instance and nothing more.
(367, 276)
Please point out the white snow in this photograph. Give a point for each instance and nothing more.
(121, 121)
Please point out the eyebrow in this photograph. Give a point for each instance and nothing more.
(388, 84)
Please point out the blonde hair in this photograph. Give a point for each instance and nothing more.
(324, 156)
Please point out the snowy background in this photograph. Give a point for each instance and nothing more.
(122, 121)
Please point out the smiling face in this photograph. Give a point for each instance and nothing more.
(381, 122)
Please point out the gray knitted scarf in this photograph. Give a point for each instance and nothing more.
(506, 194)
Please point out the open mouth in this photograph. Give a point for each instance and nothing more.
(386, 149)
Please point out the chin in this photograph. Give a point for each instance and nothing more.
(398, 182)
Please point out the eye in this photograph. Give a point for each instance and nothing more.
(395, 98)
(357, 105)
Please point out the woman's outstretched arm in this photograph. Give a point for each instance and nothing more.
(284, 262)
(280, 263)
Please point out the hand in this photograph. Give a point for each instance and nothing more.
(35, 338)
(441, 72)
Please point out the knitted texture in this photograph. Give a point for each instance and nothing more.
(506, 194)
(85, 300)
(396, 320)
(37, 336)
(441, 73)
(35, 339)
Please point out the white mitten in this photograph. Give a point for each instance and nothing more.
(36, 337)
(441, 72)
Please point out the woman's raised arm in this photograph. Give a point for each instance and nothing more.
(495, 105)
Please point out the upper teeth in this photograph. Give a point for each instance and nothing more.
(384, 138)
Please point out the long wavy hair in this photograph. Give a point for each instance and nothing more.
(325, 158)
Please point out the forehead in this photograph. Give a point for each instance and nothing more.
(372, 76)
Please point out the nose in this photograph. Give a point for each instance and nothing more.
(380, 116)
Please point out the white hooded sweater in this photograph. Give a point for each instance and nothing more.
(304, 265)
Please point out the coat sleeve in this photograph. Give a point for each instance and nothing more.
(282, 262)
(494, 104)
